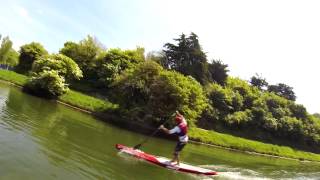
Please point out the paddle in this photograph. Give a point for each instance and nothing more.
(155, 132)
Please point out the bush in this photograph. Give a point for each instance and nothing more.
(62, 64)
(50, 73)
(47, 84)
(239, 119)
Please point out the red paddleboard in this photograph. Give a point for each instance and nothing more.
(164, 162)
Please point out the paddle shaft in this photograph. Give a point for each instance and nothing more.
(145, 140)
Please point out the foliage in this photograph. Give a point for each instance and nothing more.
(237, 105)
(218, 72)
(239, 118)
(159, 93)
(259, 82)
(283, 90)
(220, 98)
(158, 57)
(248, 93)
(50, 73)
(8, 56)
(85, 54)
(115, 61)
(188, 58)
(28, 54)
(317, 115)
(47, 83)
(298, 111)
(65, 66)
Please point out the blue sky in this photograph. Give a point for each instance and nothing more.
(278, 39)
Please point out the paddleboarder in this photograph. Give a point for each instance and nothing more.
(180, 130)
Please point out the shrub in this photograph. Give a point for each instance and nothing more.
(47, 83)
(50, 73)
(239, 119)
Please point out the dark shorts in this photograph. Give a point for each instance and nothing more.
(179, 147)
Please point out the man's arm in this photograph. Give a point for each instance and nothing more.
(164, 129)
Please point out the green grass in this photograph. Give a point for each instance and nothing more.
(86, 102)
(229, 141)
(13, 77)
(71, 97)
(210, 137)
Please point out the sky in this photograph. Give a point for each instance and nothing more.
(277, 39)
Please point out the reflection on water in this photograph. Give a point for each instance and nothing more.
(40, 139)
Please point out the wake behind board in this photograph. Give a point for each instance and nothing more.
(164, 162)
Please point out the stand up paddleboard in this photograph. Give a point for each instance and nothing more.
(164, 162)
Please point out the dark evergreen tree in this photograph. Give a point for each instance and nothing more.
(283, 90)
(188, 58)
(218, 72)
(258, 82)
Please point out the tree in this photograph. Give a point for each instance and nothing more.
(258, 82)
(148, 89)
(283, 90)
(115, 61)
(8, 56)
(85, 54)
(218, 72)
(28, 54)
(317, 115)
(188, 58)
(158, 57)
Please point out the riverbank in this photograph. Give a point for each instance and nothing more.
(96, 106)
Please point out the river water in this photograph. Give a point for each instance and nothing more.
(40, 139)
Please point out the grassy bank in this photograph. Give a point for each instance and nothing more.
(73, 98)
(210, 137)
(229, 141)
(86, 102)
(13, 77)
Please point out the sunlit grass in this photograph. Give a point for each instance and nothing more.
(71, 97)
(13, 77)
(229, 141)
(87, 102)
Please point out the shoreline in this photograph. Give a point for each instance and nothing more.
(145, 130)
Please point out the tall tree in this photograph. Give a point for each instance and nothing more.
(283, 90)
(28, 54)
(85, 54)
(5, 47)
(115, 61)
(218, 72)
(188, 58)
(8, 56)
(259, 82)
(158, 57)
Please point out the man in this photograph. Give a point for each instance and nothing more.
(181, 131)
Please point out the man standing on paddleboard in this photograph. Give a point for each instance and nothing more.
(180, 130)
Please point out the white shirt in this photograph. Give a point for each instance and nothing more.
(176, 129)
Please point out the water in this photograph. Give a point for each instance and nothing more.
(40, 139)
